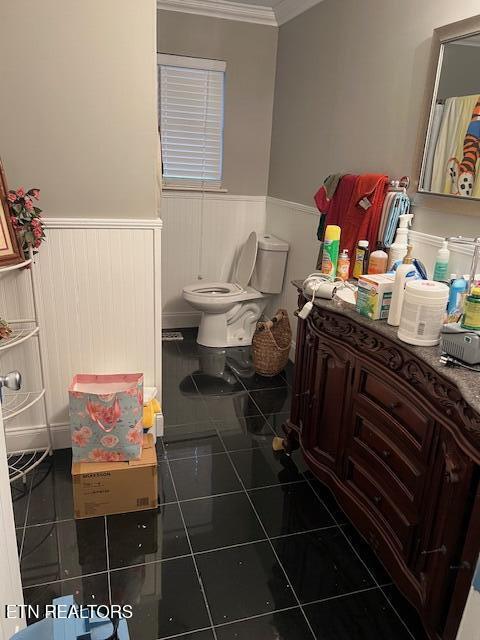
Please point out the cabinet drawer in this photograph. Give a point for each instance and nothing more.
(387, 460)
(402, 406)
(401, 526)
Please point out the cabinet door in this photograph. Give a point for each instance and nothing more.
(441, 541)
(305, 368)
(323, 429)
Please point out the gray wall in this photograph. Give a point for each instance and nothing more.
(249, 51)
(460, 71)
(78, 109)
(349, 95)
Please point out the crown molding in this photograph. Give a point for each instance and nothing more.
(286, 10)
(222, 9)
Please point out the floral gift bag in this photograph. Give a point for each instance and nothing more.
(106, 417)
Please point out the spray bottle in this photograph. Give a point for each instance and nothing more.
(398, 249)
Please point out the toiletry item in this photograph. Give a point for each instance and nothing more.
(457, 288)
(471, 314)
(331, 245)
(361, 258)
(423, 312)
(441, 263)
(399, 288)
(398, 249)
(378, 260)
(374, 295)
(343, 266)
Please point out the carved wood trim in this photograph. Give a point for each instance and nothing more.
(429, 385)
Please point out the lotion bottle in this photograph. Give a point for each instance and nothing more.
(378, 260)
(441, 263)
(398, 249)
(399, 288)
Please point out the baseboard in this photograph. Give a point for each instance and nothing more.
(180, 319)
(35, 437)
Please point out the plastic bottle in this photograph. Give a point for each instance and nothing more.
(378, 260)
(457, 288)
(399, 288)
(441, 263)
(361, 259)
(343, 266)
(471, 316)
(398, 249)
(331, 245)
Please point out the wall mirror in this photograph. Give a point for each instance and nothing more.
(451, 154)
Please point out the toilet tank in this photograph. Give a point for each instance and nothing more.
(270, 264)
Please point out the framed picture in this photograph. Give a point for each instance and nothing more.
(10, 250)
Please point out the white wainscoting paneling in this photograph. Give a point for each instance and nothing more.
(296, 224)
(202, 234)
(99, 311)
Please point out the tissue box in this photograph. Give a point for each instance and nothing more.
(374, 295)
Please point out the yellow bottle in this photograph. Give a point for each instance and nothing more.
(331, 245)
(361, 259)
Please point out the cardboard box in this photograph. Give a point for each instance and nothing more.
(374, 295)
(103, 488)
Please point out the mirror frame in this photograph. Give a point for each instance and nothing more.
(441, 36)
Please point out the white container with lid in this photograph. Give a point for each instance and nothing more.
(423, 312)
(270, 264)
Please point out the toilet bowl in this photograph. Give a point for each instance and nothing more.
(230, 311)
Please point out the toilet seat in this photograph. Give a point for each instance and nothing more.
(214, 289)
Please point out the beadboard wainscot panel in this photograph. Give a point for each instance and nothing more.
(202, 235)
(99, 299)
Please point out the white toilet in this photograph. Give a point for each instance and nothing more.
(230, 311)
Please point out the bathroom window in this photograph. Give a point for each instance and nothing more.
(191, 97)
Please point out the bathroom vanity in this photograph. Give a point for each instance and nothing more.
(396, 436)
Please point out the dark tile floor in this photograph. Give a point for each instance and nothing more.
(246, 544)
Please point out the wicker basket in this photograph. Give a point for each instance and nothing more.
(271, 344)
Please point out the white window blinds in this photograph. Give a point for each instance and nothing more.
(191, 94)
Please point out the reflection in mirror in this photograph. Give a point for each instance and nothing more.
(451, 156)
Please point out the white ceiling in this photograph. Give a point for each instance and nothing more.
(271, 12)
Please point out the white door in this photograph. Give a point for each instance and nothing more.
(10, 582)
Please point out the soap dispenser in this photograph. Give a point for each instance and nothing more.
(399, 288)
(399, 248)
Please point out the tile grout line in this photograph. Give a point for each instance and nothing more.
(24, 528)
(199, 577)
(362, 562)
(271, 545)
(107, 549)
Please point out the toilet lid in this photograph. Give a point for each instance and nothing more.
(246, 261)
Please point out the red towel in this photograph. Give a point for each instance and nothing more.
(333, 209)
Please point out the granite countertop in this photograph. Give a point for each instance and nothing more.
(468, 382)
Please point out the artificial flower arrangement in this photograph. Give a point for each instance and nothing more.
(26, 218)
(5, 331)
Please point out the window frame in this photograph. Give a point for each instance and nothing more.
(204, 64)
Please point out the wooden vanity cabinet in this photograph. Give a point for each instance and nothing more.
(400, 449)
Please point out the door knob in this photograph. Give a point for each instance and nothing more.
(12, 380)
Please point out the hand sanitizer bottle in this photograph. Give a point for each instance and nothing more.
(441, 263)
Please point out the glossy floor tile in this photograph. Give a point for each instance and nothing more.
(146, 536)
(166, 596)
(244, 581)
(290, 508)
(86, 590)
(220, 422)
(321, 564)
(221, 521)
(362, 616)
(61, 550)
(205, 476)
(280, 625)
(191, 440)
(263, 467)
(245, 433)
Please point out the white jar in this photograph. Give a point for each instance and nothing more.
(423, 312)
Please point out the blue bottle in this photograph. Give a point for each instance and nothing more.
(457, 288)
